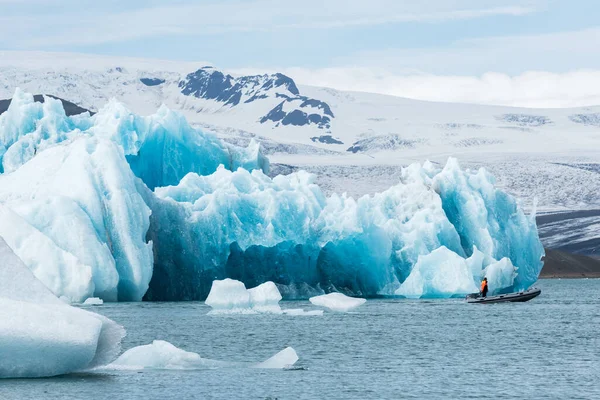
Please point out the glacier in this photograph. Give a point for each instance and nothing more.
(126, 207)
(40, 335)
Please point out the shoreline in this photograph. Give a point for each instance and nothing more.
(561, 265)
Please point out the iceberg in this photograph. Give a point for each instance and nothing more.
(124, 207)
(337, 302)
(163, 355)
(161, 148)
(42, 336)
(265, 298)
(69, 201)
(93, 301)
(249, 227)
(229, 296)
(74, 216)
(284, 359)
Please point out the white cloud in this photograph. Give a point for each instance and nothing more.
(536, 89)
(558, 51)
(78, 26)
(459, 73)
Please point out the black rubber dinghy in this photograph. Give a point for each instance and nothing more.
(525, 295)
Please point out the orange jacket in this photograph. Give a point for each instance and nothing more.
(483, 285)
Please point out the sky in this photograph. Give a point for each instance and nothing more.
(537, 53)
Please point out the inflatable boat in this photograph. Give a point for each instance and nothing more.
(525, 295)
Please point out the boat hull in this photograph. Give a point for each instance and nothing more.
(517, 297)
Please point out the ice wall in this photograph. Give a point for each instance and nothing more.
(248, 227)
(161, 148)
(69, 201)
(74, 216)
(120, 206)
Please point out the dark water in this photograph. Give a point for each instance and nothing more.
(547, 348)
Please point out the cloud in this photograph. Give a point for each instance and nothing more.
(537, 89)
(559, 69)
(80, 26)
(557, 51)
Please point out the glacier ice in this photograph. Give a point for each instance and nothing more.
(441, 273)
(284, 359)
(500, 274)
(163, 355)
(248, 227)
(265, 298)
(69, 201)
(40, 335)
(120, 206)
(93, 301)
(337, 302)
(74, 216)
(160, 148)
(231, 296)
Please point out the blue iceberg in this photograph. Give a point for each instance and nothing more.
(243, 225)
(125, 207)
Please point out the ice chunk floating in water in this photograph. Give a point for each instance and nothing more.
(265, 298)
(284, 359)
(119, 206)
(93, 301)
(163, 355)
(229, 296)
(40, 335)
(337, 302)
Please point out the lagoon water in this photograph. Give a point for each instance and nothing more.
(385, 349)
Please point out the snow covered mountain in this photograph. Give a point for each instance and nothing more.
(355, 142)
(274, 107)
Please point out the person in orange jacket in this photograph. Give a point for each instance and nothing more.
(484, 287)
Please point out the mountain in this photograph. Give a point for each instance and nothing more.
(274, 107)
(354, 142)
(293, 109)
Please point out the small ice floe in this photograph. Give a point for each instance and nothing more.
(229, 296)
(161, 354)
(93, 301)
(284, 359)
(337, 302)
